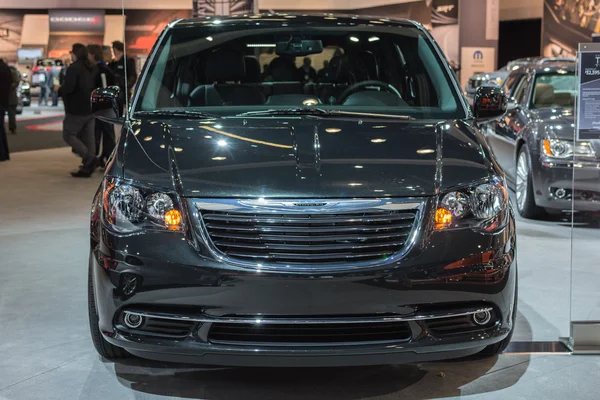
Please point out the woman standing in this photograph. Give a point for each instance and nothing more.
(77, 88)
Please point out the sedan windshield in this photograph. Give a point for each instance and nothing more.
(556, 89)
(230, 69)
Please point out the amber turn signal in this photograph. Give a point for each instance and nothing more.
(173, 219)
(443, 217)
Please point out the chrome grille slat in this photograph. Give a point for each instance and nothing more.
(307, 229)
(308, 238)
(307, 256)
(307, 219)
(305, 234)
(312, 247)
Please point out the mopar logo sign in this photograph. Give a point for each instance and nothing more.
(477, 55)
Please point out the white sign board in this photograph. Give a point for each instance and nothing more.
(475, 60)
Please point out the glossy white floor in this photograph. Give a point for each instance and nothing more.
(46, 353)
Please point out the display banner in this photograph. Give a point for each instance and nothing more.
(492, 20)
(222, 7)
(445, 29)
(566, 23)
(81, 21)
(588, 99)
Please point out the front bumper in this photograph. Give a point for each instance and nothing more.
(581, 182)
(445, 273)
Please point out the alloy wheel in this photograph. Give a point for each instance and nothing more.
(522, 179)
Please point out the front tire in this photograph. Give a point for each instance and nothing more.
(524, 188)
(103, 348)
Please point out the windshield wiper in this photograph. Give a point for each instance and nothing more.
(176, 113)
(320, 112)
(286, 111)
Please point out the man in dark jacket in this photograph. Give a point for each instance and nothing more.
(5, 88)
(104, 77)
(124, 70)
(79, 121)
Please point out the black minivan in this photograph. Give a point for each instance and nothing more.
(301, 190)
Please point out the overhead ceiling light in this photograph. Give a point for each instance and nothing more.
(355, 184)
(378, 190)
(358, 167)
(378, 140)
(354, 39)
(209, 38)
(376, 22)
(147, 138)
(217, 21)
(222, 143)
(219, 158)
(333, 130)
(207, 137)
(260, 45)
(178, 149)
(379, 126)
(310, 102)
(373, 39)
(425, 151)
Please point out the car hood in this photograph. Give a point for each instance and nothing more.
(557, 122)
(304, 157)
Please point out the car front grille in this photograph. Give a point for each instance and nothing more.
(309, 334)
(475, 83)
(293, 238)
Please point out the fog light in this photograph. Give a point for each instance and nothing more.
(482, 317)
(133, 321)
(560, 193)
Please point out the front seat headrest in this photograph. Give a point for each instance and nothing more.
(338, 67)
(253, 73)
(225, 65)
(544, 94)
(283, 69)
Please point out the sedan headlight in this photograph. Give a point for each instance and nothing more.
(559, 148)
(482, 207)
(130, 207)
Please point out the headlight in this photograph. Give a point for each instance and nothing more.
(130, 207)
(482, 207)
(559, 148)
(496, 81)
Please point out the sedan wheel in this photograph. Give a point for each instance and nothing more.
(522, 179)
(525, 198)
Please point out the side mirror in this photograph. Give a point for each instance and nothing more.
(490, 103)
(512, 104)
(105, 104)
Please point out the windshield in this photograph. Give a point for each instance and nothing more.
(232, 69)
(554, 90)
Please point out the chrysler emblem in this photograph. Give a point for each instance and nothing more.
(307, 204)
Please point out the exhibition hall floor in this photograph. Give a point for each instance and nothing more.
(46, 351)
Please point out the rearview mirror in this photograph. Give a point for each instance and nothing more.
(105, 104)
(490, 103)
(298, 47)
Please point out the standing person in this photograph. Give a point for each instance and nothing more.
(104, 77)
(76, 90)
(123, 68)
(14, 100)
(55, 84)
(307, 72)
(45, 86)
(5, 88)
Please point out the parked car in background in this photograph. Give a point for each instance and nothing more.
(534, 143)
(498, 77)
(44, 64)
(270, 221)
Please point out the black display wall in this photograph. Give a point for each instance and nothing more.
(527, 33)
